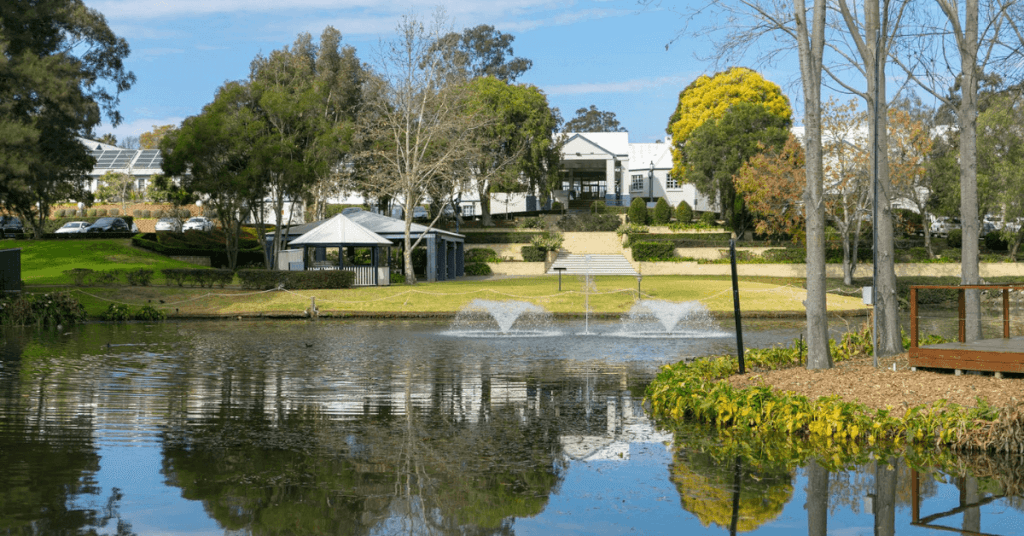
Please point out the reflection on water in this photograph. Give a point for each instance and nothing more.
(395, 427)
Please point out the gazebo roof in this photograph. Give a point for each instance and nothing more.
(340, 231)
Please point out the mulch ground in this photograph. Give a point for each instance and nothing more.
(858, 380)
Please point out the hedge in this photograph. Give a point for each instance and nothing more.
(652, 251)
(534, 254)
(478, 268)
(202, 277)
(582, 223)
(502, 238)
(319, 279)
(684, 214)
(482, 255)
(662, 212)
(638, 211)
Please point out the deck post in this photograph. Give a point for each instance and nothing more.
(1006, 313)
(913, 317)
(962, 314)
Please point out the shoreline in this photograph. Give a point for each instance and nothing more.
(449, 315)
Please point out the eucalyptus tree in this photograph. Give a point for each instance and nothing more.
(416, 124)
(770, 28)
(513, 150)
(593, 120)
(61, 70)
(215, 153)
(952, 47)
(483, 51)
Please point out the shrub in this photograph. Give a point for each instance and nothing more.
(708, 218)
(270, 279)
(589, 223)
(955, 238)
(548, 241)
(91, 213)
(137, 213)
(59, 213)
(202, 277)
(139, 277)
(684, 213)
(478, 268)
(556, 206)
(994, 241)
(653, 251)
(598, 207)
(397, 278)
(175, 275)
(482, 255)
(79, 276)
(105, 277)
(662, 212)
(535, 222)
(50, 309)
(150, 314)
(114, 212)
(147, 213)
(638, 211)
(534, 254)
(184, 214)
(101, 212)
(158, 214)
(117, 312)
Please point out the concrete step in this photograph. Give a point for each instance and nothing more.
(597, 265)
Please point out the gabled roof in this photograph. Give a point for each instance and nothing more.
(616, 143)
(385, 225)
(340, 230)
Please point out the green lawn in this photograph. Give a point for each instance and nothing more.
(43, 261)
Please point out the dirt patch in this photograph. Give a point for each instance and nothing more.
(858, 380)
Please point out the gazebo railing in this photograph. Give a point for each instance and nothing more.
(364, 274)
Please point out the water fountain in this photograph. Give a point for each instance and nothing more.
(480, 316)
(673, 319)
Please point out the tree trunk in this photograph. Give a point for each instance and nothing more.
(811, 40)
(485, 208)
(817, 499)
(410, 272)
(885, 497)
(968, 118)
(926, 229)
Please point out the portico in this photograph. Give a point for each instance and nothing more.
(592, 168)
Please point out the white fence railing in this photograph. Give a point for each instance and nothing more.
(364, 274)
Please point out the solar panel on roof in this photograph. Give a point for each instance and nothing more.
(149, 159)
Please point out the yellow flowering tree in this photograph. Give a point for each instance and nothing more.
(709, 97)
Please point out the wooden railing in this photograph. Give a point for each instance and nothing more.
(961, 307)
(364, 274)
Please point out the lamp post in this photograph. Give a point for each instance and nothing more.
(639, 278)
(650, 182)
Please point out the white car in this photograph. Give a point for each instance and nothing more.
(942, 225)
(73, 227)
(172, 225)
(198, 223)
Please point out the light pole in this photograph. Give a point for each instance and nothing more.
(650, 182)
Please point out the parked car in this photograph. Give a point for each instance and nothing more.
(942, 225)
(172, 225)
(11, 226)
(419, 213)
(73, 227)
(108, 225)
(198, 223)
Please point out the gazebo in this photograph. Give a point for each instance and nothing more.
(348, 237)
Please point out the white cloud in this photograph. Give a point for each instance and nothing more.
(563, 19)
(626, 86)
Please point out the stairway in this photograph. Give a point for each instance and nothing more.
(597, 265)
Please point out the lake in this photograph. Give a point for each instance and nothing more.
(416, 427)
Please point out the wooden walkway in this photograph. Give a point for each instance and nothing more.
(1005, 354)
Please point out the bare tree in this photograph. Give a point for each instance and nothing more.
(416, 120)
(870, 29)
(750, 23)
(949, 50)
(846, 178)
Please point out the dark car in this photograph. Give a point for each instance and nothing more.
(11, 226)
(108, 225)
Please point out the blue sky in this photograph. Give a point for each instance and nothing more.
(607, 53)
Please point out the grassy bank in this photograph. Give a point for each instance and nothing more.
(43, 262)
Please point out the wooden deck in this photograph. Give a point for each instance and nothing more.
(1005, 354)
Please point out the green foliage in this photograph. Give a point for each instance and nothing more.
(534, 253)
(271, 279)
(149, 313)
(397, 278)
(995, 241)
(117, 312)
(598, 207)
(139, 277)
(91, 213)
(502, 238)
(79, 276)
(708, 218)
(955, 238)
(482, 255)
(549, 241)
(50, 309)
(684, 213)
(201, 277)
(630, 229)
(589, 222)
(556, 206)
(478, 268)
(652, 251)
(662, 212)
(593, 120)
(638, 211)
(534, 222)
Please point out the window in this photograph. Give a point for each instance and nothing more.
(638, 183)
(469, 209)
(671, 183)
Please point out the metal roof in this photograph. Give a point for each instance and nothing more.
(340, 230)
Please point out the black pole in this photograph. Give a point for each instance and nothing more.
(736, 304)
